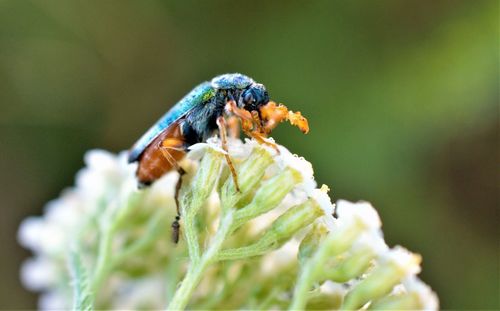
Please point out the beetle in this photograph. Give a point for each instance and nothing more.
(201, 113)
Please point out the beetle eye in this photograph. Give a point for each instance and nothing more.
(248, 98)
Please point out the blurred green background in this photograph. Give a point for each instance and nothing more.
(402, 99)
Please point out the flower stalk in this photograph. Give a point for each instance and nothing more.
(202, 186)
(182, 295)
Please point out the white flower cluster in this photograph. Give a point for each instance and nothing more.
(75, 217)
(277, 232)
(383, 278)
(50, 236)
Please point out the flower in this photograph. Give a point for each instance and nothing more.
(247, 249)
(324, 201)
(426, 297)
(74, 218)
(408, 262)
(362, 211)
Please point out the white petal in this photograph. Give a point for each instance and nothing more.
(252, 143)
(39, 273)
(372, 240)
(427, 297)
(30, 232)
(404, 259)
(100, 160)
(53, 300)
(398, 290)
(287, 159)
(55, 239)
(323, 199)
(239, 149)
(66, 210)
(361, 211)
(332, 288)
(197, 151)
(307, 186)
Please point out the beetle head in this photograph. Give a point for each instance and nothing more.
(254, 97)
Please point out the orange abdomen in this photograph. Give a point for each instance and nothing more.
(153, 164)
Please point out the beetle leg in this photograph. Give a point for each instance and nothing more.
(247, 120)
(233, 127)
(257, 121)
(247, 124)
(261, 139)
(174, 144)
(221, 123)
(243, 114)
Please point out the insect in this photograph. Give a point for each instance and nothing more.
(210, 107)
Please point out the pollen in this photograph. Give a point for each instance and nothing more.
(297, 119)
(273, 114)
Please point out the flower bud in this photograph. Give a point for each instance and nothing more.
(251, 172)
(294, 219)
(207, 174)
(250, 175)
(415, 296)
(269, 195)
(397, 302)
(282, 229)
(311, 241)
(329, 297)
(343, 238)
(351, 267)
(360, 256)
(396, 265)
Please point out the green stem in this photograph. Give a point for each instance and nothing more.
(256, 249)
(195, 271)
(102, 265)
(191, 235)
(307, 277)
(173, 272)
(268, 300)
(111, 221)
(201, 188)
(216, 298)
(153, 230)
